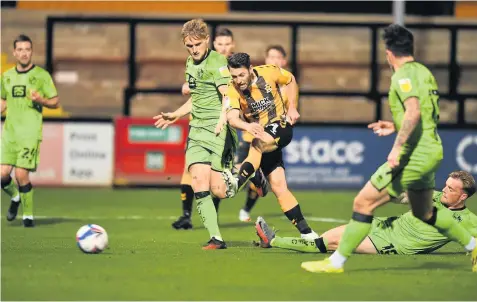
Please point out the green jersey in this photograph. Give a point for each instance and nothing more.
(412, 236)
(415, 80)
(204, 79)
(24, 119)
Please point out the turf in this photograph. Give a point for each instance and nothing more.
(148, 260)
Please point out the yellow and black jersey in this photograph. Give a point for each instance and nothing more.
(263, 102)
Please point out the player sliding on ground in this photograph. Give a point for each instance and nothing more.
(403, 235)
(25, 89)
(413, 160)
(254, 95)
(211, 143)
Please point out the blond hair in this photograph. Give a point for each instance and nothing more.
(196, 28)
(468, 181)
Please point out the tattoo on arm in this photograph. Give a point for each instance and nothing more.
(411, 119)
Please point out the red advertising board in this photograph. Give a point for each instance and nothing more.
(147, 155)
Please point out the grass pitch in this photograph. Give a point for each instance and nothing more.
(148, 260)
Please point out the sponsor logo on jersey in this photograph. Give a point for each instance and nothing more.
(192, 83)
(19, 91)
(405, 85)
(262, 105)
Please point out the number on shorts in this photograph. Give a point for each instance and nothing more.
(28, 153)
(274, 128)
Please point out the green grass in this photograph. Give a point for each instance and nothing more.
(148, 260)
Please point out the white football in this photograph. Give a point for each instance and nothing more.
(92, 239)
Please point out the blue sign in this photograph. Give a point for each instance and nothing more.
(345, 158)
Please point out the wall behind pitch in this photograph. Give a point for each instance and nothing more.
(345, 158)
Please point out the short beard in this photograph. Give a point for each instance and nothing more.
(24, 65)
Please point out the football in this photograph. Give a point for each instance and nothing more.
(92, 239)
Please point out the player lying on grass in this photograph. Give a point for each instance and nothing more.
(412, 162)
(254, 96)
(25, 90)
(211, 143)
(403, 235)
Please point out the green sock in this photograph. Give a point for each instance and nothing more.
(10, 188)
(208, 214)
(443, 221)
(26, 195)
(355, 232)
(300, 245)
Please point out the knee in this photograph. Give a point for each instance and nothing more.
(332, 240)
(199, 184)
(217, 191)
(363, 205)
(5, 173)
(22, 176)
(278, 186)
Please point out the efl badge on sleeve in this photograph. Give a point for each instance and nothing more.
(405, 85)
(224, 71)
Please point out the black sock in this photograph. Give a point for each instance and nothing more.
(320, 244)
(187, 196)
(245, 172)
(216, 201)
(296, 217)
(252, 198)
(6, 181)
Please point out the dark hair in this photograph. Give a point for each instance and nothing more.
(468, 181)
(224, 32)
(22, 38)
(238, 60)
(399, 40)
(278, 48)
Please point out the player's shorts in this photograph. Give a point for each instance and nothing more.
(283, 136)
(22, 154)
(204, 147)
(382, 238)
(416, 171)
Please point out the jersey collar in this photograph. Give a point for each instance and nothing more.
(25, 71)
(455, 210)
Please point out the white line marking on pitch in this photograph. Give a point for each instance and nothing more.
(138, 217)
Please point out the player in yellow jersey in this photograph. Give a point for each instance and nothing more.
(274, 55)
(223, 44)
(254, 93)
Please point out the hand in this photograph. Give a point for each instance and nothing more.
(165, 119)
(292, 115)
(382, 128)
(35, 97)
(255, 129)
(393, 157)
(220, 125)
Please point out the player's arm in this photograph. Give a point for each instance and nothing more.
(284, 77)
(223, 114)
(51, 103)
(49, 96)
(233, 117)
(3, 106)
(185, 89)
(164, 119)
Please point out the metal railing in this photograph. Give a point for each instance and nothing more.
(373, 92)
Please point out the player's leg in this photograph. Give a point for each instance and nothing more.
(373, 195)
(27, 161)
(8, 160)
(423, 208)
(9, 187)
(198, 161)
(252, 195)
(187, 197)
(272, 165)
(333, 237)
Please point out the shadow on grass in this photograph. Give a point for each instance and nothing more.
(44, 221)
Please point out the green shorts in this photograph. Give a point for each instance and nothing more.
(382, 238)
(416, 171)
(204, 147)
(21, 154)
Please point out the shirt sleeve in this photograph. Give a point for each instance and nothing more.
(232, 99)
(281, 76)
(221, 72)
(49, 89)
(2, 88)
(406, 85)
